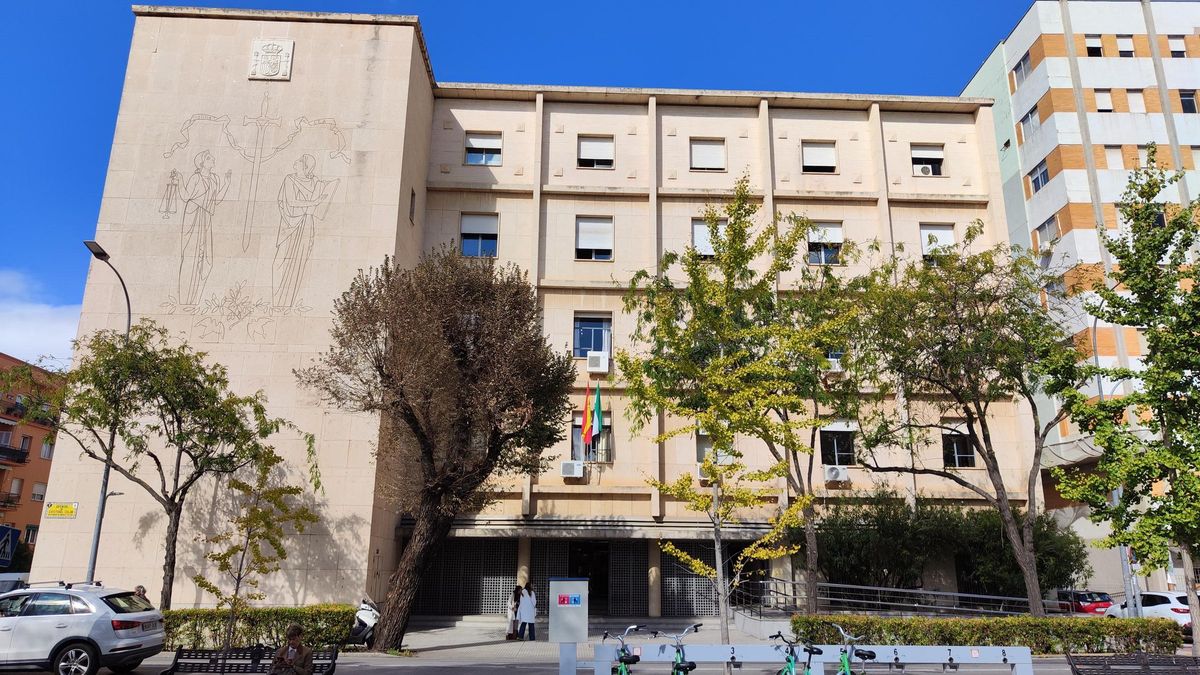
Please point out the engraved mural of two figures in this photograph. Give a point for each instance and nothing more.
(303, 200)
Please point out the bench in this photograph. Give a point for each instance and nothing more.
(1138, 663)
(255, 659)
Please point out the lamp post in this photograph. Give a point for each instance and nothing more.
(100, 254)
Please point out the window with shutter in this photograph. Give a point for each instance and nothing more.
(935, 238)
(1113, 157)
(708, 154)
(825, 244)
(1178, 46)
(593, 238)
(927, 159)
(1094, 46)
(1125, 46)
(595, 152)
(1137, 102)
(1104, 101)
(702, 238)
(483, 149)
(480, 234)
(818, 156)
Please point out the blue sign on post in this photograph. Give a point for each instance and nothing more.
(10, 537)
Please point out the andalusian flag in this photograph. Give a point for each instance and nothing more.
(585, 434)
(597, 416)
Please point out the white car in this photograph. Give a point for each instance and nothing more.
(74, 629)
(1171, 606)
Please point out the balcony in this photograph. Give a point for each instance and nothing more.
(9, 500)
(11, 455)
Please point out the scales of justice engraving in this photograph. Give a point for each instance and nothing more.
(303, 199)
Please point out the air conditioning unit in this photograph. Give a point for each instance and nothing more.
(837, 474)
(597, 362)
(922, 170)
(572, 469)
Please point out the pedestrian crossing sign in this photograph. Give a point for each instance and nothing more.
(10, 537)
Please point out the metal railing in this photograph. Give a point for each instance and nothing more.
(13, 455)
(763, 596)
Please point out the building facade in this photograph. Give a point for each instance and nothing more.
(261, 158)
(26, 454)
(1082, 88)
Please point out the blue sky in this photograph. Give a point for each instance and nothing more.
(65, 63)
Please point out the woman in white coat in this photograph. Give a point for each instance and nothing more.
(527, 612)
(514, 601)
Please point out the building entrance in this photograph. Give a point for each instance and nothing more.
(590, 559)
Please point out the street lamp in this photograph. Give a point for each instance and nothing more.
(100, 254)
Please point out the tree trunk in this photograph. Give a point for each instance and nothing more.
(173, 517)
(1189, 585)
(810, 559)
(1023, 551)
(429, 530)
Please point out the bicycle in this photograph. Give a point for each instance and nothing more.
(625, 658)
(680, 666)
(863, 655)
(789, 667)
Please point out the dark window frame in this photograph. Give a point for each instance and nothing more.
(832, 450)
(954, 454)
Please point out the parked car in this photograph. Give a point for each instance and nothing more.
(75, 629)
(1171, 606)
(1084, 602)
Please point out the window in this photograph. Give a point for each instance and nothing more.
(592, 334)
(12, 605)
(39, 492)
(127, 603)
(1177, 46)
(701, 237)
(1143, 155)
(412, 208)
(1113, 157)
(31, 534)
(1153, 600)
(49, 604)
(704, 445)
(596, 451)
(1125, 46)
(79, 606)
(1094, 46)
(483, 149)
(957, 451)
(1104, 101)
(595, 152)
(479, 233)
(837, 447)
(26, 443)
(593, 238)
(935, 237)
(47, 449)
(14, 488)
(818, 156)
(927, 159)
(1022, 69)
(1137, 101)
(1187, 100)
(825, 244)
(1047, 232)
(6, 439)
(708, 154)
(1030, 123)
(1039, 176)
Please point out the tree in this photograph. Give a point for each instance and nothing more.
(172, 412)
(948, 338)
(734, 490)
(731, 352)
(1150, 438)
(451, 354)
(264, 513)
(985, 562)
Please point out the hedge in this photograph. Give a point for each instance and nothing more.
(324, 625)
(1043, 636)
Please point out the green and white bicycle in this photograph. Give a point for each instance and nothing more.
(625, 658)
(680, 665)
(848, 650)
(790, 660)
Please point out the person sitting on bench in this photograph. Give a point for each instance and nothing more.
(293, 658)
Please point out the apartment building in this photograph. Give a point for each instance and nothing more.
(310, 145)
(1082, 87)
(26, 454)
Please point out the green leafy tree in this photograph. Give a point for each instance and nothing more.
(729, 351)
(452, 356)
(986, 564)
(159, 414)
(945, 340)
(1150, 438)
(265, 513)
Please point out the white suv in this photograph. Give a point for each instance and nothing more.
(74, 629)
(1171, 606)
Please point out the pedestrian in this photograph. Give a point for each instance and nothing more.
(527, 612)
(293, 658)
(514, 601)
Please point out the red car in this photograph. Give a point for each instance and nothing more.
(1085, 602)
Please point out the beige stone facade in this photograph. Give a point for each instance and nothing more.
(359, 153)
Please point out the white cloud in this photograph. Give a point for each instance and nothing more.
(30, 328)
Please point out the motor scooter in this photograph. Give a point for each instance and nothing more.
(365, 620)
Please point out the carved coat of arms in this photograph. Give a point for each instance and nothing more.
(271, 59)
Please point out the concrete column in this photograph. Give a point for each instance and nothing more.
(781, 568)
(524, 546)
(654, 577)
